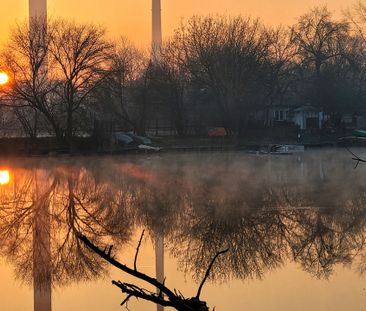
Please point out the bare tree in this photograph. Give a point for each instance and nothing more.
(321, 41)
(174, 82)
(224, 54)
(113, 96)
(319, 38)
(82, 54)
(26, 59)
(279, 72)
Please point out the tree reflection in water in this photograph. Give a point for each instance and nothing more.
(51, 205)
(267, 212)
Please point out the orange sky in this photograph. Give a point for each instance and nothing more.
(132, 17)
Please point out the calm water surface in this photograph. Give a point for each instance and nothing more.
(295, 227)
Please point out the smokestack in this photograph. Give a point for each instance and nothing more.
(37, 9)
(156, 26)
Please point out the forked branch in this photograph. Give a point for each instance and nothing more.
(166, 297)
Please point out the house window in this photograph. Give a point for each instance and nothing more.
(279, 115)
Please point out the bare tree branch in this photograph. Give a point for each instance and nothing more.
(138, 249)
(173, 300)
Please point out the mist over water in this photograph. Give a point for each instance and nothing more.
(275, 214)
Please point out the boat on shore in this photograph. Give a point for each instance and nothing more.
(278, 149)
(285, 149)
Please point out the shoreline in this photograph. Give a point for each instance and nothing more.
(47, 147)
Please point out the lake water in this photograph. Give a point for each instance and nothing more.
(294, 226)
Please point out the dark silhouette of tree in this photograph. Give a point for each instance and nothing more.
(82, 55)
(322, 45)
(26, 59)
(224, 54)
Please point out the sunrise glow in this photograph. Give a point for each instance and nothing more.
(4, 78)
(4, 177)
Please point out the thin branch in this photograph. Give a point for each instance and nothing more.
(126, 300)
(126, 269)
(137, 250)
(137, 292)
(355, 158)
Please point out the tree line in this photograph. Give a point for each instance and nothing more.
(215, 71)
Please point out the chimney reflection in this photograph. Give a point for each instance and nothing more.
(159, 261)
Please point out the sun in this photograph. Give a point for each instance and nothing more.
(4, 177)
(4, 78)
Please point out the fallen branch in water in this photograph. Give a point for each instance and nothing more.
(173, 299)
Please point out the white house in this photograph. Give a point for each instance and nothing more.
(307, 117)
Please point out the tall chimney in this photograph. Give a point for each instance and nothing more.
(37, 9)
(156, 26)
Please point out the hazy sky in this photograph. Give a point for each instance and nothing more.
(132, 17)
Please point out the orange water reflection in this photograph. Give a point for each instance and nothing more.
(282, 218)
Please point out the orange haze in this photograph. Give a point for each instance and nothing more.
(132, 17)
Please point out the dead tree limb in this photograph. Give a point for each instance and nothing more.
(125, 268)
(126, 300)
(173, 299)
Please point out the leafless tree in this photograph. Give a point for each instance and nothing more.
(26, 59)
(279, 65)
(224, 54)
(113, 96)
(173, 83)
(321, 43)
(82, 55)
(319, 38)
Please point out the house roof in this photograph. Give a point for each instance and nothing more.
(306, 108)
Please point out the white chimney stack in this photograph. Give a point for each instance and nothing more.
(156, 26)
(37, 9)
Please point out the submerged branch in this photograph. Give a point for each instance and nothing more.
(174, 300)
(125, 268)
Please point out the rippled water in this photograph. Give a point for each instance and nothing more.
(294, 226)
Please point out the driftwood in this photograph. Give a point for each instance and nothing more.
(165, 297)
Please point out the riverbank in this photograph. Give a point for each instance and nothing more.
(48, 146)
